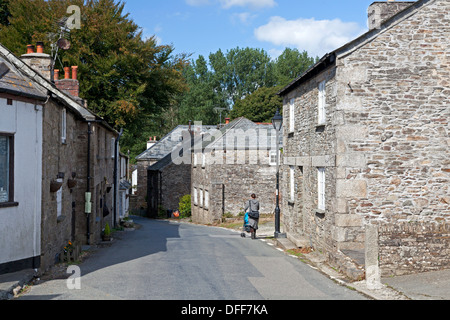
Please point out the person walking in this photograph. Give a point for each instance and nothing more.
(252, 206)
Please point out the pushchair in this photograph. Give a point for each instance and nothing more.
(246, 228)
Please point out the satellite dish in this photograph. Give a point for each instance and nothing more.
(63, 44)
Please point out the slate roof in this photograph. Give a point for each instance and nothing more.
(240, 134)
(169, 142)
(15, 83)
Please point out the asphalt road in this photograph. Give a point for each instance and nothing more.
(176, 261)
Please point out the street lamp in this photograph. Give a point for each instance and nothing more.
(277, 122)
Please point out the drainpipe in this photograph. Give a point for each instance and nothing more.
(116, 165)
(88, 205)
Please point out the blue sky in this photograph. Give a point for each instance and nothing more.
(204, 26)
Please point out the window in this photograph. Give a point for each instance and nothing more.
(59, 200)
(7, 170)
(203, 160)
(195, 159)
(113, 148)
(206, 199)
(195, 196)
(292, 184)
(200, 202)
(63, 126)
(292, 116)
(321, 188)
(322, 103)
(273, 158)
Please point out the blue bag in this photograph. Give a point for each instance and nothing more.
(246, 219)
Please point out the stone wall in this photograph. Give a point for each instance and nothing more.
(231, 183)
(309, 147)
(176, 183)
(60, 160)
(385, 145)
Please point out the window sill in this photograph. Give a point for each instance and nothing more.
(320, 213)
(9, 204)
(291, 203)
(60, 219)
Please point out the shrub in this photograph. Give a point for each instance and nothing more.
(185, 206)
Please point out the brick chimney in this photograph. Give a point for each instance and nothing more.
(381, 11)
(39, 61)
(68, 85)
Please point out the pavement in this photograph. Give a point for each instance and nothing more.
(424, 286)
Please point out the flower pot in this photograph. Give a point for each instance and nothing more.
(55, 185)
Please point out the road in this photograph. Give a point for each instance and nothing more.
(178, 261)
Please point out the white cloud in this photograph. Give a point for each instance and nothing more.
(317, 37)
(255, 4)
(244, 17)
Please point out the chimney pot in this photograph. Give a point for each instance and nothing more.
(66, 72)
(227, 120)
(74, 72)
(30, 48)
(56, 75)
(40, 47)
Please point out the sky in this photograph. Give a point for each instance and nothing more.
(201, 27)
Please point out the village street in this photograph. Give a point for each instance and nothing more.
(164, 260)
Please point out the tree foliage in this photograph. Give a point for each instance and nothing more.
(125, 78)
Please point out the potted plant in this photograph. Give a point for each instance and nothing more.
(106, 236)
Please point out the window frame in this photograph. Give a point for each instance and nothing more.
(291, 115)
(195, 196)
(64, 125)
(321, 188)
(10, 202)
(291, 184)
(321, 107)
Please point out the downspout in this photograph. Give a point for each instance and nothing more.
(116, 165)
(88, 186)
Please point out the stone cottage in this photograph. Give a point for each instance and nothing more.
(158, 177)
(77, 158)
(230, 164)
(21, 109)
(366, 146)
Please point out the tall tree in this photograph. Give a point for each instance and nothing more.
(125, 79)
(290, 64)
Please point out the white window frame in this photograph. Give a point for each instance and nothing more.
(113, 148)
(64, 125)
(273, 157)
(7, 191)
(322, 115)
(195, 196)
(195, 159)
(292, 115)
(203, 160)
(291, 183)
(321, 183)
(200, 199)
(59, 200)
(206, 199)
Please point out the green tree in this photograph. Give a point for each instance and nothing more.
(125, 79)
(291, 64)
(260, 106)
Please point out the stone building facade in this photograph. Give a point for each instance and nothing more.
(230, 165)
(369, 147)
(77, 157)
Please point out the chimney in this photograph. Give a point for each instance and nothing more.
(151, 142)
(381, 11)
(56, 75)
(227, 120)
(68, 85)
(39, 61)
